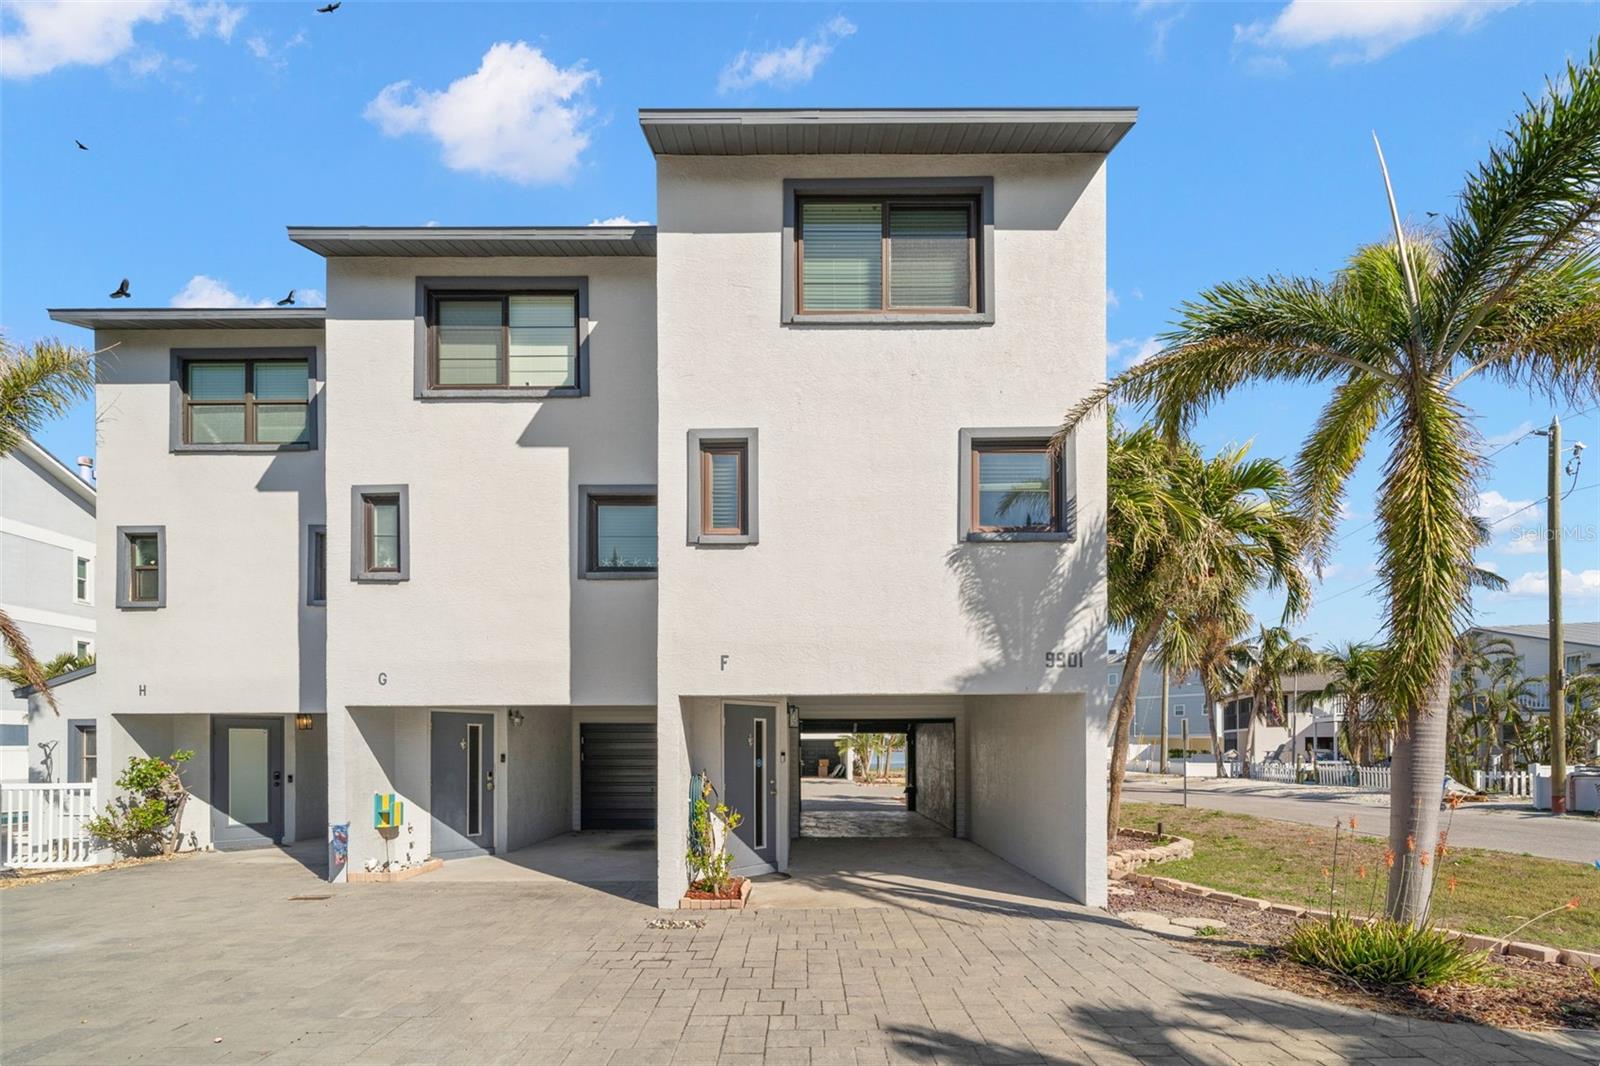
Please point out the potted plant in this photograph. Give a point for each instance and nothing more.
(711, 883)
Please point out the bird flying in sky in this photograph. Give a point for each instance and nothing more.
(287, 300)
(122, 292)
(80, 144)
(328, 9)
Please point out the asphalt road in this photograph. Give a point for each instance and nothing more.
(1498, 827)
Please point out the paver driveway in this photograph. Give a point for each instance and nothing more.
(157, 963)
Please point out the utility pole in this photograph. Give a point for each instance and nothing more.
(1558, 651)
(1164, 733)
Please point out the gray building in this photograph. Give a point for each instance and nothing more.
(47, 554)
(1186, 703)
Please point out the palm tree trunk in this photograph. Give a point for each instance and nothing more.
(1122, 705)
(1417, 784)
(1249, 746)
(1216, 728)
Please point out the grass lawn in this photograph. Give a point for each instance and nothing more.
(1494, 892)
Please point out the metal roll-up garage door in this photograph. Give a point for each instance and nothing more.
(618, 775)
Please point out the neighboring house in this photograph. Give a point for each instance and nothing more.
(530, 524)
(1531, 645)
(1306, 723)
(1186, 704)
(63, 743)
(47, 575)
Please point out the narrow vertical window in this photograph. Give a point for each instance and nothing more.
(317, 566)
(382, 526)
(88, 756)
(723, 488)
(80, 580)
(761, 770)
(474, 780)
(144, 568)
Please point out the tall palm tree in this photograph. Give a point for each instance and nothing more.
(1185, 533)
(37, 383)
(1508, 290)
(1501, 699)
(1355, 672)
(1269, 660)
(1476, 654)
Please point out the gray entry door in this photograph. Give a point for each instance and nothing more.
(462, 784)
(246, 782)
(749, 747)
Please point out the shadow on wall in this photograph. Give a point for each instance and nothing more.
(301, 473)
(1023, 602)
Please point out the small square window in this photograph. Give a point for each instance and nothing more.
(83, 649)
(141, 566)
(1014, 488)
(380, 528)
(620, 534)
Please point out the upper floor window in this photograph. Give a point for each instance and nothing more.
(724, 487)
(81, 584)
(243, 402)
(621, 534)
(1013, 487)
(503, 340)
(887, 255)
(141, 566)
(381, 527)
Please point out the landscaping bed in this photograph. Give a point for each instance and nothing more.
(1519, 994)
(732, 896)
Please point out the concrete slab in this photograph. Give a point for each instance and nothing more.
(910, 872)
(597, 858)
(831, 807)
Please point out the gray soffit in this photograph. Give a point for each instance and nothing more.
(191, 317)
(886, 131)
(476, 241)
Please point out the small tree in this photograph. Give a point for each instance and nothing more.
(710, 822)
(151, 813)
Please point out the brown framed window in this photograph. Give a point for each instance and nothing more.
(621, 535)
(88, 765)
(886, 255)
(725, 488)
(317, 565)
(1016, 487)
(247, 402)
(380, 525)
(144, 568)
(500, 340)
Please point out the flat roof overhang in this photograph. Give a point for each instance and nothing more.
(191, 317)
(886, 131)
(476, 241)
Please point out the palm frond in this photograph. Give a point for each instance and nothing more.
(37, 384)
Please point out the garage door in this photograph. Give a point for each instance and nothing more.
(618, 775)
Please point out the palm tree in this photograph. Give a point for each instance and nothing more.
(1476, 654)
(1187, 540)
(65, 663)
(37, 383)
(1355, 671)
(1507, 289)
(1583, 714)
(1204, 643)
(1269, 661)
(1501, 700)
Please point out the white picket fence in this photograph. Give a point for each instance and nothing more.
(1273, 771)
(42, 824)
(1515, 783)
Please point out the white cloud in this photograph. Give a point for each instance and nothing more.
(1361, 30)
(518, 116)
(1131, 351)
(1162, 16)
(620, 220)
(264, 48)
(1536, 583)
(41, 36)
(203, 290)
(785, 67)
(1493, 507)
(1112, 303)
(1500, 440)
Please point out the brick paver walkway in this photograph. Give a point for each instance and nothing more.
(209, 960)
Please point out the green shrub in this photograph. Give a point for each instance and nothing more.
(1382, 952)
(148, 815)
(710, 862)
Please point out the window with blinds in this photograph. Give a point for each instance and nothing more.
(516, 340)
(1015, 487)
(622, 534)
(862, 255)
(247, 401)
(724, 488)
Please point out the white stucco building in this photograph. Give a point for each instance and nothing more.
(530, 524)
(47, 587)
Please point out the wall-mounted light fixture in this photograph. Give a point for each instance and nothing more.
(304, 722)
(794, 716)
(516, 716)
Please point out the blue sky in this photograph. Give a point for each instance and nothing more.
(213, 125)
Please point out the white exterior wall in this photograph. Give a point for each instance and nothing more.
(859, 585)
(45, 528)
(235, 636)
(493, 614)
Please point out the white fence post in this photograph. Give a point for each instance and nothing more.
(42, 824)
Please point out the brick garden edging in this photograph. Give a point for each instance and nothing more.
(687, 904)
(1120, 864)
(1472, 941)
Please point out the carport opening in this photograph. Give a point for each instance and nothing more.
(877, 779)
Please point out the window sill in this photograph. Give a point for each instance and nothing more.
(1020, 537)
(931, 318)
(619, 575)
(432, 392)
(381, 579)
(710, 540)
(238, 449)
(140, 606)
